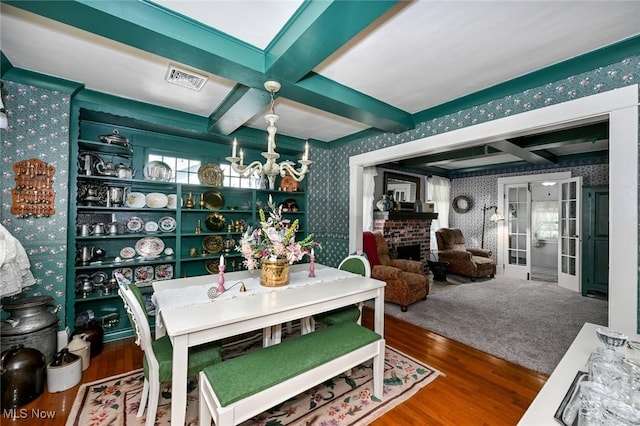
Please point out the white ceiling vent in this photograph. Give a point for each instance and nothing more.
(185, 78)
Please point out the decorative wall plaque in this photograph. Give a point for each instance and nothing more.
(33, 195)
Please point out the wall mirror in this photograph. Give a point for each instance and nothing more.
(405, 188)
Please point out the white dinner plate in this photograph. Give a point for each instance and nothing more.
(156, 200)
(151, 227)
(135, 200)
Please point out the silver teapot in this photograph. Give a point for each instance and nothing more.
(107, 169)
(125, 172)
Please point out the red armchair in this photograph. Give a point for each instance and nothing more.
(406, 280)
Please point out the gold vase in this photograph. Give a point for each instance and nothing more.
(274, 273)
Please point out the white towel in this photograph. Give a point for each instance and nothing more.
(14, 265)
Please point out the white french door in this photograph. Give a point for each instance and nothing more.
(517, 221)
(569, 225)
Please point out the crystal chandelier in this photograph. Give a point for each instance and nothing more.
(270, 168)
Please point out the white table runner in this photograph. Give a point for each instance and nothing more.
(175, 298)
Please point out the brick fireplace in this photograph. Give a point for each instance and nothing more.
(409, 232)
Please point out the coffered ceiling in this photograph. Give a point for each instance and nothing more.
(347, 68)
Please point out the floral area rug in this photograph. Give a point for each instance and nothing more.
(344, 400)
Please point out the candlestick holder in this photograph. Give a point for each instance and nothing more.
(221, 288)
(312, 266)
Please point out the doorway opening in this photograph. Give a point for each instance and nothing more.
(620, 107)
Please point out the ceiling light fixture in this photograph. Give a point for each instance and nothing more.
(270, 168)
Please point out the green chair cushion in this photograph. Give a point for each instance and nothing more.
(349, 313)
(354, 265)
(243, 376)
(199, 358)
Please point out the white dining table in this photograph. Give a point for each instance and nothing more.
(190, 318)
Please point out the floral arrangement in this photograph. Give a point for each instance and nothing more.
(275, 238)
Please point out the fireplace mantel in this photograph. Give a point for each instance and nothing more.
(404, 215)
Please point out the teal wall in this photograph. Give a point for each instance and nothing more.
(39, 123)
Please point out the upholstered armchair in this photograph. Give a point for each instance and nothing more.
(406, 280)
(470, 262)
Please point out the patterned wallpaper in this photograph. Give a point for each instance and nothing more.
(39, 121)
(38, 128)
(484, 190)
(329, 211)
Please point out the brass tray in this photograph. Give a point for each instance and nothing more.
(212, 243)
(213, 200)
(210, 174)
(211, 266)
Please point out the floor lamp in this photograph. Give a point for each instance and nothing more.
(495, 217)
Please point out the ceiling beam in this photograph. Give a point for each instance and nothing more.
(327, 95)
(513, 149)
(316, 31)
(240, 105)
(455, 155)
(588, 133)
(157, 30)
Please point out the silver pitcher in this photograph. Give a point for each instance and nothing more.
(117, 195)
(98, 229)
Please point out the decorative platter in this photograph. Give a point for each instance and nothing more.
(134, 224)
(151, 227)
(149, 246)
(167, 224)
(172, 201)
(210, 174)
(164, 272)
(212, 243)
(211, 266)
(156, 200)
(213, 200)
(144, 273)
(126, 272)
(128, 253)
(135, 200)
(158, 171)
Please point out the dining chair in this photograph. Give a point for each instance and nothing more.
(358, 265)
(158, 354)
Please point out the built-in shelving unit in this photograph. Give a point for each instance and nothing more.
(120, 230)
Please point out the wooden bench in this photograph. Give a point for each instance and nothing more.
(242, 387)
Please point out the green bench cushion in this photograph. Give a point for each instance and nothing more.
(238, 378)
(199, 358)
(337, 316)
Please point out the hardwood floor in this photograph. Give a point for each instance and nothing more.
(476, 388)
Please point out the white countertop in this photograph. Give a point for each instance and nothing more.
(544, 406)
